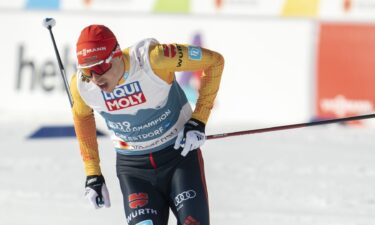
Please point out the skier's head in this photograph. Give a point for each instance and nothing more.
(100, 57)
(96, 46)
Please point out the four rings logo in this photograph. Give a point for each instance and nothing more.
(184, 196)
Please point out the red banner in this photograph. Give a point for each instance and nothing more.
(345, 70)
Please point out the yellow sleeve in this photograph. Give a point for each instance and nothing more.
(85, 128)
(166, 59)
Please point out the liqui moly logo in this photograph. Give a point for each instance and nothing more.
(124, 96)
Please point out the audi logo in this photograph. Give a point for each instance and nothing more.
(186, 195)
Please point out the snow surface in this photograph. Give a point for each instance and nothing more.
(309, 176)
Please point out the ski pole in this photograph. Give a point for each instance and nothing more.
(49, 23)
(290, 126)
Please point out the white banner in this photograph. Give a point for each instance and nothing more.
(347, 10)
(267, 76)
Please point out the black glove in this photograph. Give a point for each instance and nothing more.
(191, 137)
(96, 191)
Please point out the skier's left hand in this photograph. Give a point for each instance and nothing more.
(96, 191)
(191, 137)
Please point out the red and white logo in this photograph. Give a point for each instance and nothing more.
(138, 200)
(87, 51)
(169, 50)
(124, 96)
(341, 106)
(191, 221)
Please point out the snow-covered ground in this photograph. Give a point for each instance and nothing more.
(309, 176)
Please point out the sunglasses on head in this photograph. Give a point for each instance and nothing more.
(100, 67)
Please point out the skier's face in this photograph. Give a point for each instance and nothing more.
(109, 80)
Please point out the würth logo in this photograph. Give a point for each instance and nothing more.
(138, 200)
(124, 96)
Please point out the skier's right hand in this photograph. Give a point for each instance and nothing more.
(96, 191)
(191, 137)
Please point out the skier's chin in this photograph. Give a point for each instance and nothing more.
(105, 87)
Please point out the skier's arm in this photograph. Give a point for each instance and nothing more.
(167, 59)
(85, 128)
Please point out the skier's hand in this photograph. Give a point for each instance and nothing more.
(191, 137)
(96, 191)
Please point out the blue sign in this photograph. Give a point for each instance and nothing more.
(145, 222)
(195, 53)
(43, 4)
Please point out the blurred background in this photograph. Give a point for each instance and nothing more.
(286, 61)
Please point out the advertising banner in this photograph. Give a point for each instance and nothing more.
(303, 8)
(346, 10)
(345, 70)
